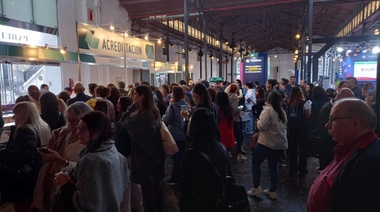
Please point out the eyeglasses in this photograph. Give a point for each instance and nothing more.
(81, 129)
(332, 118)
(72, 120)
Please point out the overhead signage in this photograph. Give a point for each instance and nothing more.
(99, 42)
(22, 36)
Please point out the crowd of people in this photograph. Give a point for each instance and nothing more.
(104, 152)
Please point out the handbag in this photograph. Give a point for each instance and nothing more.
(234, 197)
(12, 182)
(254, 139)
(168, 142)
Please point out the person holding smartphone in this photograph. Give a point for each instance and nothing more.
(62, 152)
(175, 123)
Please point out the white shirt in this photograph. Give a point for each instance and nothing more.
(250, 99)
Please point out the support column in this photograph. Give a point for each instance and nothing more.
(187, 76)
(310, 42)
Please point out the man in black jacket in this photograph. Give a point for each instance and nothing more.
(80, 95)
(352, 83)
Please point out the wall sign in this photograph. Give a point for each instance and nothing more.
(96, 43)
(22, 36)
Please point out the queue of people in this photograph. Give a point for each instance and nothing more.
(104, 152)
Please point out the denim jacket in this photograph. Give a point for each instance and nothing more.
(174, 121)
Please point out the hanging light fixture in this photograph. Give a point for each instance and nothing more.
(63, 49)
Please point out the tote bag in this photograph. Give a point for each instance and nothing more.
(168, 141)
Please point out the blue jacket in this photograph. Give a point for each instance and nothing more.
(174, 121)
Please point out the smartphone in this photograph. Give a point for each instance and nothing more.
(43, 150)
(184, 108)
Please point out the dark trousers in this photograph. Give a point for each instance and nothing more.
(297, 151)
(177, 159)
(153, 197)
(326, 153)
(238, 133)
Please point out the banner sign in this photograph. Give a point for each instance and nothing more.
(97, 42)
(29, 37)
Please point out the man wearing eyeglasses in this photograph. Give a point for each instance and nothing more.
(351, 181)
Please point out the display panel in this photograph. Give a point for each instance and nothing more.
(365, 70)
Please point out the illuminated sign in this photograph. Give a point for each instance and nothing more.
(22, 36)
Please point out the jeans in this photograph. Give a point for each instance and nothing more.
(260, 154)
(250, 122)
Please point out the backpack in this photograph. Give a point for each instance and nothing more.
(234, 196)
(296, 117)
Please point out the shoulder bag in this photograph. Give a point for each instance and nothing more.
(170, 146)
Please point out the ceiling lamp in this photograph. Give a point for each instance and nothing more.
(339, 49)
(63, 49)
(375, 50)
(159, 41)
(211, 56)
(298, 36)
(146, 36)
(112, 27)
(376, 32)
(200, 53)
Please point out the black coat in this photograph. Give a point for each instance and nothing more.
(80, 97)
(200, 185)
(357, 186)
(21, 154)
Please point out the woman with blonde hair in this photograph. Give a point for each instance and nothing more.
(132, 92)
(29, 133)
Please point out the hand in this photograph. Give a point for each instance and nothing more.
(185, 113)
(254, 139)
(61, 178)
(52, 156)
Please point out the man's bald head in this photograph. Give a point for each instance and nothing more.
(344, 93)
